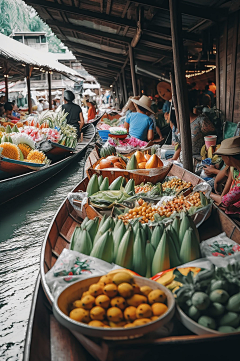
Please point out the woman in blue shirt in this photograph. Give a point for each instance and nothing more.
(138, 124)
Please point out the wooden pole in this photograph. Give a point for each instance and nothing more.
(124, 85)
(117, 94)
(181, 85)
(132, 66)
(139, 86)
(121, 90)
(174, 98)
(50, 90)
(28, 74)
(6, 87)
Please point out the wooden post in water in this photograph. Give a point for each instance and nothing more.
(181, 85)
(50, 90)
(28, 74)
(132, 66)
(6, 87)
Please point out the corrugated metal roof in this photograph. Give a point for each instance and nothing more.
(14, 50)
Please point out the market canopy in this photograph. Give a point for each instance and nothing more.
(99, 32)
(15, 56)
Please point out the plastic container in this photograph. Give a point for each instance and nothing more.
(210, 140)
(74, 291)
(103, 134)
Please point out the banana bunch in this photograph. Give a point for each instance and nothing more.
(209, 153)
(137, 246)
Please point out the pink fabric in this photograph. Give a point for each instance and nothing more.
(231, 201)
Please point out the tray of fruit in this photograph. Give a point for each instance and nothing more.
(117, 305)
(209, 303)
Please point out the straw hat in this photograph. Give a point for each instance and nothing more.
(164, 90)
(230, 146)
(144, 102)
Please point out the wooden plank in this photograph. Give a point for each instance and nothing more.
(224, 68)
(53, 234)
(64, 346)
(89, 31)
(108, 7)
(181, 86)
(68, 228)
(233, 66)
(218, 68)
(86, 13)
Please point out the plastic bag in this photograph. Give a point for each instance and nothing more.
(219, 248)
(82, 197)
(72, 266)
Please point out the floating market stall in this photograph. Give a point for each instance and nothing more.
(18, 61)
(137, 227)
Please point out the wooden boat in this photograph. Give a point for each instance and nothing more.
(16, 185)
(48, 340)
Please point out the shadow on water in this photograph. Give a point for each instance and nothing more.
(24, 222)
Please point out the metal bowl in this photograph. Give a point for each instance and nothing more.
(75, 291)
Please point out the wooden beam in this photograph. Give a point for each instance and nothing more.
(108, 8)
(89, 31)
(86, 13)
(199, 11)
(125, 8)
(101, 63)
(28, 75)
(165, 32)
(155, 53)
(132, 66)
(181, 85)
(50, 90)
(233, 66)
(84, 49)
(174, 97)
(121, 90)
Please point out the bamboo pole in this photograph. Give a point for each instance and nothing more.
(50, 90)
(28, 74)
(181, 85)
(132, 66)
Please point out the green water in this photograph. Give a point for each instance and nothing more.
(23, 224)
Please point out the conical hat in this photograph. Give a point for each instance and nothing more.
(164, 90)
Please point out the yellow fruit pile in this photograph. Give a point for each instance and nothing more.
(35, 156)
(10, 151)
(176, 183)
(25, 149)
(116, 301)
(145, 210)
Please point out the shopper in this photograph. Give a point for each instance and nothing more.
(75, 116)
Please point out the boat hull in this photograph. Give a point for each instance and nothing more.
(14, 186)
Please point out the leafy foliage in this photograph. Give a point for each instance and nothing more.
(15, 15)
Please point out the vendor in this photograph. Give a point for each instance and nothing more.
(91, 110)
(200, 126)
(138, 124)
(230, 196)
(75, 116)
(8, 107)
(40, 105)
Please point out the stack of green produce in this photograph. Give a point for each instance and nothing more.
(136, 246)
(103, 195)
(68, 132)
(212, 298)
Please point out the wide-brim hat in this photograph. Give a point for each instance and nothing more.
(164, 90)
(144, 102)
(230, 146)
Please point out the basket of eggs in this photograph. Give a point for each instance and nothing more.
(114, 306)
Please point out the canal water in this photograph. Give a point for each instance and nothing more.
(23, 224)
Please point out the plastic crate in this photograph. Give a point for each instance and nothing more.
(103, 134)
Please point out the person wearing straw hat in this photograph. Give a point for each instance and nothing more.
(40, 105)
(230, 196)
(138, 124)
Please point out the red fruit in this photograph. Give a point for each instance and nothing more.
(236, 248)
(217, 254)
